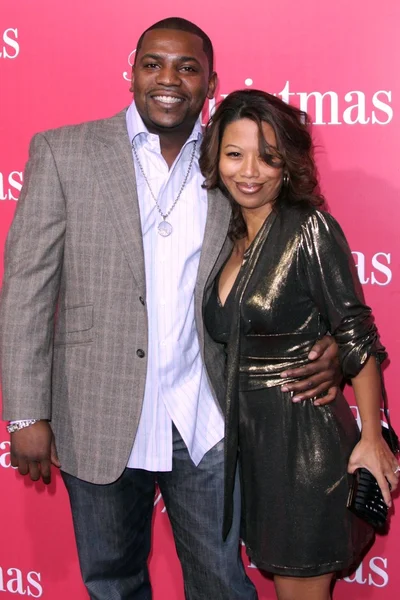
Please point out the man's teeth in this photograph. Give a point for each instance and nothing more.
(168, 99)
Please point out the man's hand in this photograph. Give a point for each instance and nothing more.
(33, 451)
(322, 375)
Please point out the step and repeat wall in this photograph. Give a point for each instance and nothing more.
(67, 62)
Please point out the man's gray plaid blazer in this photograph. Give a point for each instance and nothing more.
(73, 321)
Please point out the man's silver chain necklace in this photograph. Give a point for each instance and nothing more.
(165, 228)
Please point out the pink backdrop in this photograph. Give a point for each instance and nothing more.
(66, 62)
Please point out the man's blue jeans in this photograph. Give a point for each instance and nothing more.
(113, 530)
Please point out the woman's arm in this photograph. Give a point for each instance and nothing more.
(372, 452)
(327, 268)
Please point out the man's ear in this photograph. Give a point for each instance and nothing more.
(212, 85)
(132, 78)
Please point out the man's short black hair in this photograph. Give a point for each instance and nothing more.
(178, 24)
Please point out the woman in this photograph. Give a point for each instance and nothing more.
(289, 280)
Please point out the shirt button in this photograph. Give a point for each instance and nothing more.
(140, 353)
(142, 301)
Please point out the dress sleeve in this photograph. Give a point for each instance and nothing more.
(329, 276)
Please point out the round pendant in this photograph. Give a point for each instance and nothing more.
(165, 228)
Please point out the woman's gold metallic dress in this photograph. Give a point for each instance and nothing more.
(297, 282)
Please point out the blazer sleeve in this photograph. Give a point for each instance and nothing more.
(33, 264)
(328, 272)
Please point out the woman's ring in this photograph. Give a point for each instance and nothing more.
(397, 470)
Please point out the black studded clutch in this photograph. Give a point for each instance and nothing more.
(365, 497)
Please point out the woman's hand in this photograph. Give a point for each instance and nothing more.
(374, 454)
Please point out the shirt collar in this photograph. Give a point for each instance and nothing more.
(135, 126)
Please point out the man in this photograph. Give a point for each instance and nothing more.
(107, 243)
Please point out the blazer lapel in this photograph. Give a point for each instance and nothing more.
(111, 154)
(215, 246)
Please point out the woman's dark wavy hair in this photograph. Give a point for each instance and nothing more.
(294, 151)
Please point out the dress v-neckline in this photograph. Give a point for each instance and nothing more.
(246, 255)
(220, 304)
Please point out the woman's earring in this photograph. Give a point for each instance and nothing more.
(286, 179)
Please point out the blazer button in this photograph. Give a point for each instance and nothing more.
(140, 353)
(142, 301)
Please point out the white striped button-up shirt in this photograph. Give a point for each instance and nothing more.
(177, 390)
